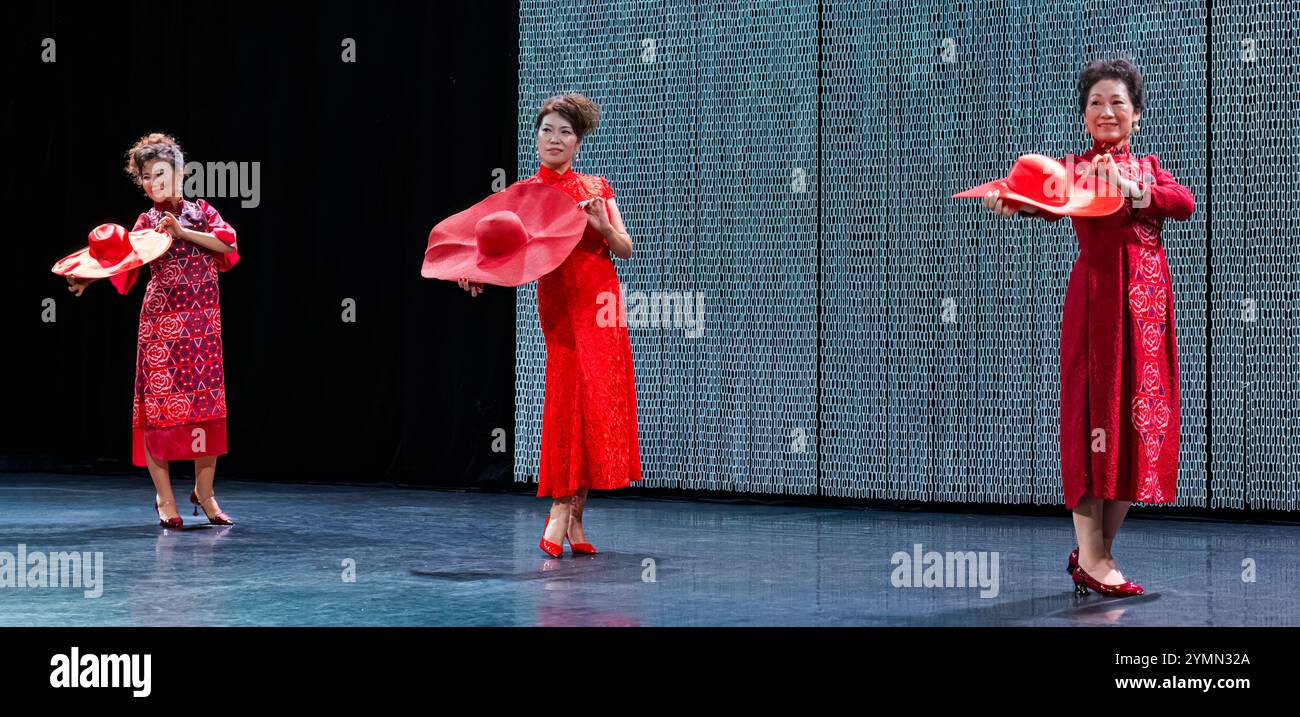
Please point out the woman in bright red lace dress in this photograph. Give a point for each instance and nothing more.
(1119, 356)
(589, 431)
(179, 410)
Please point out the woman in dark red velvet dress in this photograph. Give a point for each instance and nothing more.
(1119, 356)
(179, 411)
(589, 431)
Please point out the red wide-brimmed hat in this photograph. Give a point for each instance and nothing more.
(511, 238)
(1045, 183)
(113, 251)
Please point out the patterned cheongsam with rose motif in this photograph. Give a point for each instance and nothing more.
(1119, 355)
(179, 410)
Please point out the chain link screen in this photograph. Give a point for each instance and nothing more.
(865, 335)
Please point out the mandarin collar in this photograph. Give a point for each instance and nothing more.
(551, 175)
(163, 207)
(1120, 148)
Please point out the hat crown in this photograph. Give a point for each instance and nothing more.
(108, 244)
(1041, 177)
(500, 233)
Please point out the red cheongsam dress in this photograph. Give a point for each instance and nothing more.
(1119, 357)
(180, 393)
(589, 431)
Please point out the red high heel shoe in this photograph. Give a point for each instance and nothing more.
(547, 546)
(220, 519)
(577, 548)
(166, 522)
(1073, 562)
(580, 548)
(1083, 582)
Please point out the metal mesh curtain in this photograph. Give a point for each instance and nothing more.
(1255, 136)
(865, 335)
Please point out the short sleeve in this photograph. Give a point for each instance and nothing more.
(124, 281)
(606, 190)
(222, 231)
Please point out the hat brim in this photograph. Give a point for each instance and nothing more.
(555, 225)
(146, 245)
(1083, 201)
(537, 258)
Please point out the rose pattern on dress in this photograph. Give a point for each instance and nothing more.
(179, 377)
(1119, 365)
(1148, 295)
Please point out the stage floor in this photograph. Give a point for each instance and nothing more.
(433, 557)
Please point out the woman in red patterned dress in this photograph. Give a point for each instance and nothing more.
(179, 411)
(1119, 356)
(589, 431)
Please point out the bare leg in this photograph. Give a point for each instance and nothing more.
(560, 508)
(576, 534)
(160, 472)
(205, 472)
(1094, 557)
(1113, 514)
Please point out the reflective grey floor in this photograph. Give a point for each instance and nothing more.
(427, 557)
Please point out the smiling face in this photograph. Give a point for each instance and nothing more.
(159, 181)
(1109, 112)
(556, 141)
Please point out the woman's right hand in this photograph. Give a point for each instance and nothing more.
(1006, 207)
(77, 285)
(473, 287)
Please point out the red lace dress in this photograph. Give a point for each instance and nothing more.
(589, 431)
(180, 393)
(1119, 354)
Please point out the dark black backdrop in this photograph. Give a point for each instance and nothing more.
(358, 162)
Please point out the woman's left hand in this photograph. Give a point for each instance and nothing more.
(170, 224)
(597, 214)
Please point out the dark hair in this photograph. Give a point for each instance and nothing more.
(1121, 70)
(581, 111)
(150, 147)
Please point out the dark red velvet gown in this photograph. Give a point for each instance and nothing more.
(180, 390)
(1119, 354)
(589, 431)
